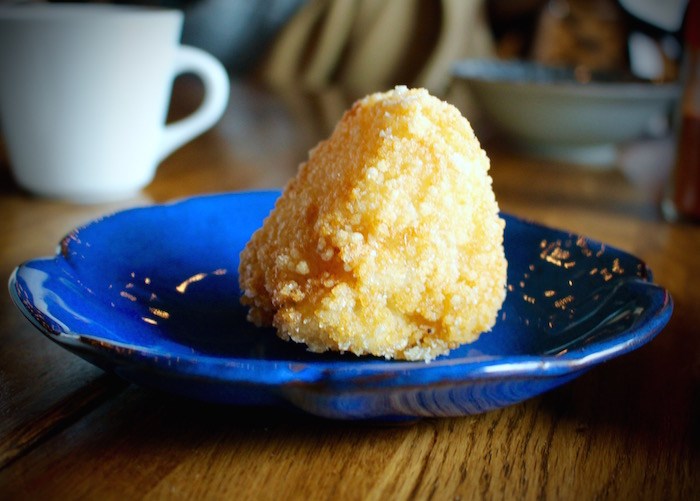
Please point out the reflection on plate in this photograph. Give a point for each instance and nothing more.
(152, 295)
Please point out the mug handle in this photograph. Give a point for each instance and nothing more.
(216, 94)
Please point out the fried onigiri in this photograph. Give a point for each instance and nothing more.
(388, 241)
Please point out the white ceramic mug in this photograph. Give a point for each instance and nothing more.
(84, 93)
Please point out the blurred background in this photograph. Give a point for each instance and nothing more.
(339, 50)
(368, 45)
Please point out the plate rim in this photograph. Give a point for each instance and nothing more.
(358, 370)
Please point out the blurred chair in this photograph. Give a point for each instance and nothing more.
(370, 45)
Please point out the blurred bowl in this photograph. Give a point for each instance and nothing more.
(563, 113)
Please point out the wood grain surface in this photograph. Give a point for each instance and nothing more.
(629, 429)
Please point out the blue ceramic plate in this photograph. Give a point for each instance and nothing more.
(152, 295)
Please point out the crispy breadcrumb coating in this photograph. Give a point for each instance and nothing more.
(388, 241)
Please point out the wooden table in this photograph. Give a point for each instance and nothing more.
(629, 429)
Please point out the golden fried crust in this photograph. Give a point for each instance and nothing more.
(388, 241)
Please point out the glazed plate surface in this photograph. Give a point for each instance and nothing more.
(152, 295)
